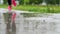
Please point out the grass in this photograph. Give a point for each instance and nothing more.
(36, 8)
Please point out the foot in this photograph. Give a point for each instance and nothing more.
(14, 2)
(9, 8)
(13, 17)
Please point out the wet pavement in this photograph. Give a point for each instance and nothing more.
(33, 23)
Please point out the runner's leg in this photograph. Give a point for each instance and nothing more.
(13, 23)
(9, 5)
(9, 17)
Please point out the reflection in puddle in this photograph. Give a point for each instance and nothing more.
(33, 24)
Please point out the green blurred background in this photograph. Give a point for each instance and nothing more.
(54, 2)
(42, 6)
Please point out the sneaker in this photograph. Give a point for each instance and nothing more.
(9, 8)
(14, 2)
(13, 16)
